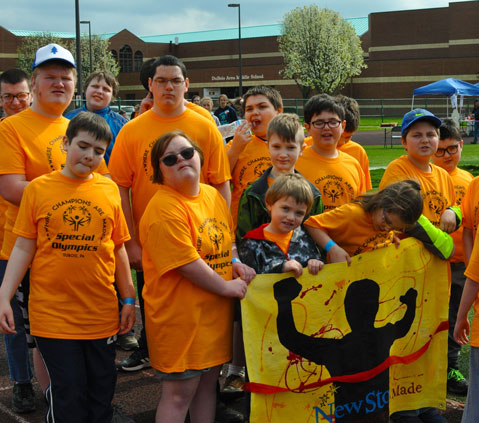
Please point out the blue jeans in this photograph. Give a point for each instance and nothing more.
(471, 411)
(16, 345)
(476, 130)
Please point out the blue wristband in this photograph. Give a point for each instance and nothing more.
(235, 260)
(129, 301)
(328, 245)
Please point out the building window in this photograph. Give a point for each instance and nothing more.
(138, 60)
(114, 53)
(126, 59)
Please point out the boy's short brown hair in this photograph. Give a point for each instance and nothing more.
(92, 123)
(352, 115)
(288, 127)
(108, 78)
(273, 96)
(320, 103)
(290, 185)
(449, 129)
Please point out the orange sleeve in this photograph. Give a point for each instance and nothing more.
(26, 223)
(120, 165)
(12, 159)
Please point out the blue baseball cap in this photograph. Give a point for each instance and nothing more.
(419, 114)
(52, 52)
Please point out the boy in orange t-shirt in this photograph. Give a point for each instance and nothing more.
(420, 138)
(337, 175)
(248, 151)
(71, 229)
(447, 156)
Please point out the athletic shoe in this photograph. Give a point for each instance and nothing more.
(233, 384)
(432, 415)
(127, 342)
(136, 361)
(225, 414)
(23, 400)
(119, 416)
(456, 382)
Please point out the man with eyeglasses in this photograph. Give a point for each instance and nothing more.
(14, 92)
(448, 156)
(14, 98)
(130, 165)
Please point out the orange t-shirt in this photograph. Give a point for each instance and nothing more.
(472, 272)
(281, 240)
(470, 206)
(201, 110)
(351, 228)
(339, 180)
(187, 326)
(130, 160)
(31, 145)
(251, 164)
(77, 224)
(355, 150)
(437, 187)
(461, 180)
(3, 211)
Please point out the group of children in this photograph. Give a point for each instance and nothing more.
(296, 203)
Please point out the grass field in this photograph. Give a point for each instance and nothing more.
(380, 157)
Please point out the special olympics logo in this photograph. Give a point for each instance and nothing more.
(333, 190)
(76, 216)
(216, 235)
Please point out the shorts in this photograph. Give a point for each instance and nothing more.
(187, 374)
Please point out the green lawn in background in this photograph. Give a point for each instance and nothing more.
(380, 157)
(372, 123)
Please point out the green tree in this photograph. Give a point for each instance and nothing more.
(321, 50)
(102, 57)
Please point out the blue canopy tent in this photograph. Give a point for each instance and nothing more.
(449, 87)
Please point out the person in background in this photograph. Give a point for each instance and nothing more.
(101, 88)
(207, 103)
(196, 99)
(447, 156)
(226, 114)
(15, 97)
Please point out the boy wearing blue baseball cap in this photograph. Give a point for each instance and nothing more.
(420, 139)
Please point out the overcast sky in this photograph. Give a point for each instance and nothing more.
(152, 17)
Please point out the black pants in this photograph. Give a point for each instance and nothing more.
(82, 379)
(140, 283)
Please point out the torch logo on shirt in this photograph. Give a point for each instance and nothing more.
(216, 235)
(333, 190)
(77, 216)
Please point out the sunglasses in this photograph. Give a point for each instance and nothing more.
(172, 159)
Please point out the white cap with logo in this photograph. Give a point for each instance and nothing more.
(52, 52)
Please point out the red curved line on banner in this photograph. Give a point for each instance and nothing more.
(261, 388)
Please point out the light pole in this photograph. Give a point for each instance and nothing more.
(239, 47)
(78, 61)
(89, 36)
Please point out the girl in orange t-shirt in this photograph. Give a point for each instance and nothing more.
(185, 234)
(368, 223)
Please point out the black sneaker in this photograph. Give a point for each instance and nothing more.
(127, 342)
(136, 361)
(23, 400)
(119, 416)
(225, 414)
(456, 382)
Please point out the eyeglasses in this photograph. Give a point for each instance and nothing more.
(172, 159)
(8, 98)
(176, 82)
(452, 149)
(320, 124)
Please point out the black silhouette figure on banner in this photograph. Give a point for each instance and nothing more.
(363, 349)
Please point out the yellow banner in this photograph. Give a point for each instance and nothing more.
(351, 343)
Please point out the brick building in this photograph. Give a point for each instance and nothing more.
(403, 50)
